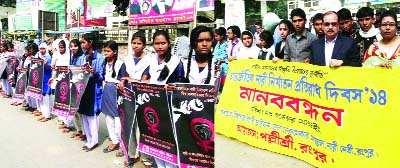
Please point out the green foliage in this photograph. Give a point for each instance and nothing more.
(253, 8)
(279, 8)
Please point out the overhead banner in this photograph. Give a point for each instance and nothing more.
(79, 77)
(155, 123)
(235, 13)
(99, 8)
(127, 115)
(35, 84)
(62, 95)
(154, 12)
(326, 117)
(20, 86)
(193, 116)
(75, 13)
(23, 16)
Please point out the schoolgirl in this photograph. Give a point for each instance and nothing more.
(44, 103)
(76, 54)
(111, 67)
(93, 92)
(132, 70)
(164, 68)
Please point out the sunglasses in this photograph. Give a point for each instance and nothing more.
(327, 24)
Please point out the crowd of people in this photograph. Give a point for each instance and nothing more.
(336, 43)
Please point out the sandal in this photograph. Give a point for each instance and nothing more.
(75, 134)
(131, 162)
(66, 130)
(40, 118)
(44, 119)
(119, 154)
(109, 149)
(63, 126)
(90, 149)
(82, 138)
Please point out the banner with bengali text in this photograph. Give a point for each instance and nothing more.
(153, 12)
(340, 117)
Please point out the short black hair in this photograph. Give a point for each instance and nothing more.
(288, 24)
(365, 12)
(317, 16)
(267, 37)
(258, 23)
(235, 30)
(298, 12)
(388, 13)
(221, 31)
(246, 32)
(344, 14)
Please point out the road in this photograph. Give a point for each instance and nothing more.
(27, 143)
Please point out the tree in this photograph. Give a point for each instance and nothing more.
(279, 8)
(121, 6)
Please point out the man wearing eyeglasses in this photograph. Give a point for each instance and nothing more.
(367, 34)
(347, 28)
(334, 50)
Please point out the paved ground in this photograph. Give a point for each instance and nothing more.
(27, 143)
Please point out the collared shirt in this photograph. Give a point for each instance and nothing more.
(233, 48)
(257, 37)
(298, 50)
(329, 50)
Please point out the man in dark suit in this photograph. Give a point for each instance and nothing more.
(160, 6)
(334, 50)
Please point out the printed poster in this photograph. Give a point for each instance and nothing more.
(155, 123)
(62, 97)
(79, 77)
(193, 116)
(127, 115)
(154, 12)
(11, 72)
(20, 86)
(35, 83)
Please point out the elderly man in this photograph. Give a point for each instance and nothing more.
(334, 50)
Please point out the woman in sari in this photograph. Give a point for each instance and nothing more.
(385, 53)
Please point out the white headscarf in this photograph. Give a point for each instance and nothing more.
(43, 45)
